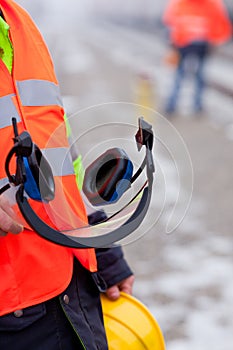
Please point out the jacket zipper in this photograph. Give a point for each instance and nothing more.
(69, 320)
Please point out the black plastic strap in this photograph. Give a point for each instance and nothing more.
(106, 240)
(4, 188)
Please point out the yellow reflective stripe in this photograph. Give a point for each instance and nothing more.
(7, 111)
(68, 129)
(79, 171)
(6, 49)
(76, 158)
(35, 92)
(3, 181)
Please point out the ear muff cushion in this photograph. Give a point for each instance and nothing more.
(108, 177)
(40, 182)
(30, 185)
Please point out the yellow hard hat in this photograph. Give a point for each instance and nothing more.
(130, 325)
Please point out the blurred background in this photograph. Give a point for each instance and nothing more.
(111, 59)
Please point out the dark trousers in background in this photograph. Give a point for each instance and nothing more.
(193, 54)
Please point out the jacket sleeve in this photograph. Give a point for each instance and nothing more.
(112, 266)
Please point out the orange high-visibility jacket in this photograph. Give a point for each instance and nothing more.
(197, 20)
(32, 269)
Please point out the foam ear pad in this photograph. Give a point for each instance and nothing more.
(108, 177)
(40, 182)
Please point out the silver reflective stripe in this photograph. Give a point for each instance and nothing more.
(4, 181)
(39, 93)
(7, 111)
(59, 160)
(73, 149)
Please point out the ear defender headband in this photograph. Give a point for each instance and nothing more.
(105, 181)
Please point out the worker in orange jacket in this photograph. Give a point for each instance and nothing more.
(49, 294)
(194, 25)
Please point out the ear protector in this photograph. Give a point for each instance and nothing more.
(32, 169)
(39, 184)
(108, 177)
(105, 181)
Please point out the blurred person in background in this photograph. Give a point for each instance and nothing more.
(194, 26)
(49, 294)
